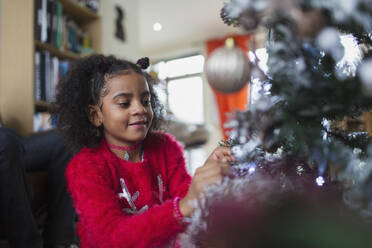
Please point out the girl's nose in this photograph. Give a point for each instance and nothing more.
(138, 108)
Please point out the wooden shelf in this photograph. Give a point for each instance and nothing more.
(42, 106)
(56, 52)
(79, 12)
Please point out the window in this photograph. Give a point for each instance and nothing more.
(182, 93)
(180, 67)
(185, 98)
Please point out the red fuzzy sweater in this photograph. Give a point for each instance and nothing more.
(127, 204)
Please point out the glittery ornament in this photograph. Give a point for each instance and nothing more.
(228, 69)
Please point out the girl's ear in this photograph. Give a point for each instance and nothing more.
(95, 115)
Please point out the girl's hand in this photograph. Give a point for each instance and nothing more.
(212, 172)
(222, 152)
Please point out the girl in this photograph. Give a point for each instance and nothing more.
(128, 183)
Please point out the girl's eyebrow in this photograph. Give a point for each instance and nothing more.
(145, 93)
(123, 94)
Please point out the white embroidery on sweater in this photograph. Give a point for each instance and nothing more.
(160, 194)
(130, 199)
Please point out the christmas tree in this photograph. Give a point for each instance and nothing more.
(291, 158)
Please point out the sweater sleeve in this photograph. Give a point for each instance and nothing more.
(101, 218)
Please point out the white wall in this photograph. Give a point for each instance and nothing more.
(211, 117)
(110, 44)
(170, 52)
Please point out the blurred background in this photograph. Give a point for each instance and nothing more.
(173, 34)
(177, 35)
(40, 39)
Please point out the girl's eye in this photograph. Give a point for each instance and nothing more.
(124, 104)
(146, 102)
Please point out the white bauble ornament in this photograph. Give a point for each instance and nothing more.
(228, 69)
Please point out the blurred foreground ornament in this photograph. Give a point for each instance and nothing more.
(365, 75)
(228, 69)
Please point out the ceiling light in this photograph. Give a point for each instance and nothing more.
(157, 26)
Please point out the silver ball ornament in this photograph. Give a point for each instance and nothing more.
(228, 69)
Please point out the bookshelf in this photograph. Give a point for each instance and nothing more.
(80, 13)
(17, 57)
(54, 51)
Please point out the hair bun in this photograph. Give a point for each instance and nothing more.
(143, 63)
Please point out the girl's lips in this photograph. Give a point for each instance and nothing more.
(139, 124)
(138, 127)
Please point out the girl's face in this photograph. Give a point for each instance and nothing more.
(126, 112)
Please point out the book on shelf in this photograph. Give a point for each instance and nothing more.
(47, 82)
(50, 19)
(48, 72)
(54, 25)
(44, 21)
(72, 35)
(59, 25)
(54, 78)
(37, 19)
(37, 76)
(75, 39)
(42, 76)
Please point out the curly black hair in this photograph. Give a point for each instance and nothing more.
(82, 87)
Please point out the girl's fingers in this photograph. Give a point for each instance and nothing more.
(226, 169)
(214, 167)
(222, 152)
(211, 173)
